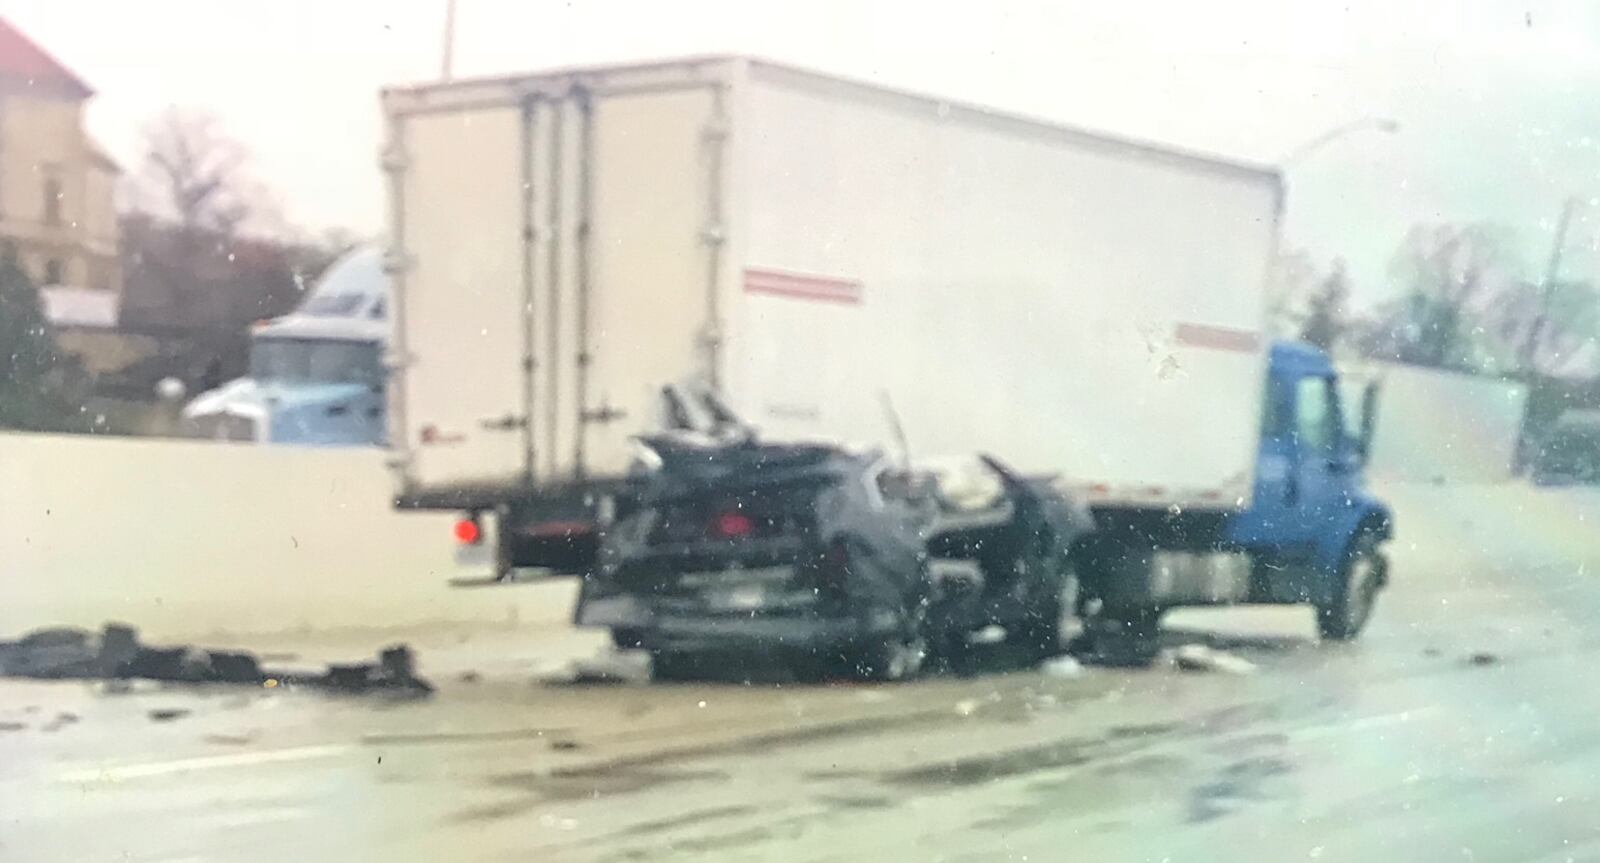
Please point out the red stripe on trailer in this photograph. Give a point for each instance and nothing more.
(1216, 338)
(801, 286)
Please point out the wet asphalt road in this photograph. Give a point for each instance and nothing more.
(1464, 726)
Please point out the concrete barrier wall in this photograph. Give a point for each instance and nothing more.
(1436, 426)
(186, 538)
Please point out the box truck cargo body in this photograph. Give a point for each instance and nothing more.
(819, 251)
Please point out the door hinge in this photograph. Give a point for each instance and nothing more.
(605, 413)
(392, 159)
(395, 262)
(509, 422)
(715, 131)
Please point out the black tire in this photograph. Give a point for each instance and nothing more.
(627, 639)
(1125, 638)
(1361, 574)
(668, 665)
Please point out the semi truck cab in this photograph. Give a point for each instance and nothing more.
(316, 375)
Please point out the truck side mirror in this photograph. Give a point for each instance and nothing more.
(1369, 420)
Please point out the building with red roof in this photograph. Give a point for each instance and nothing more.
(57, 187)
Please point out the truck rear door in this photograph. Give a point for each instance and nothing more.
(556, 272)
(459, 399)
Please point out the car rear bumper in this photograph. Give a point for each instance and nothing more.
(688, 632)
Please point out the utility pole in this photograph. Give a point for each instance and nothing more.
(1552, 273)
(446, 69)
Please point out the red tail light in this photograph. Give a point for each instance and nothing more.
(467, 531)
(732, 525)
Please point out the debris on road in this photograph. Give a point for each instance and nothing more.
(168, 714)
(50, 653)
(394, 671)
(969, 706)
(233, 739)
(115, 655)
(60, 721)
(1062, 666)
(1198, 657)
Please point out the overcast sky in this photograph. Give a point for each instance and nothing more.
(1497, 101)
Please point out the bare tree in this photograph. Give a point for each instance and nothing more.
(1290, 282)
(1452, 273)
(1545, 324)
(1326, 316)
(195, 174)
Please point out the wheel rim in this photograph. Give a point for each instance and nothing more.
(1362, 590)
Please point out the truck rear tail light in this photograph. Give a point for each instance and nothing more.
(467, 531)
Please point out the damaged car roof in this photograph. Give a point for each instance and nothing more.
(691, 465)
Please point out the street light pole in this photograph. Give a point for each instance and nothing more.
(1279, 290)
(1381, 124)
(1552, 273)
(447, 62)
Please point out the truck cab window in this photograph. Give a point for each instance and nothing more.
(1316, 412)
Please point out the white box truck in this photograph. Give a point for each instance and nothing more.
(569, 242)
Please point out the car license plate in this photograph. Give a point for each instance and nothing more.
(612, 611)
(745, 597)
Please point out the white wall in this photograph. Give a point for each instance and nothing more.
(186, 538)
(1436, 426)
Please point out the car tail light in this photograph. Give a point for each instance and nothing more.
(468, 532)
(732, 525)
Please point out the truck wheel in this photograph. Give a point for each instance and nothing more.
(1125, 638)
(1343, 616)
(1040, 632)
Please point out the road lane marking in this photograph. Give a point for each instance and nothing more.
(209, 762)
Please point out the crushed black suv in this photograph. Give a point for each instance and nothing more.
(832, 561)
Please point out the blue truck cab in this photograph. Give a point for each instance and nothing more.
(1311, 519)
(316, 374)
(1311, 534)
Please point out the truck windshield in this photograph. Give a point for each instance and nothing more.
(314, 361)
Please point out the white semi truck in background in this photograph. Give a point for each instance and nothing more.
(567, 244)
(316, 374)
